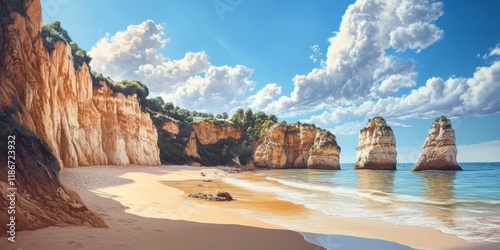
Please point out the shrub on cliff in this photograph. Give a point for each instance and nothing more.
(53, 32)
(126, 87)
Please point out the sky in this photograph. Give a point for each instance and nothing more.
(332, 63)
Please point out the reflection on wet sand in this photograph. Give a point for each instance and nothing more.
(439, 188)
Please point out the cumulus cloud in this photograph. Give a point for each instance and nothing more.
(264, 96)
(349, 128)
(191, 82)
(476, 96)
(357, 66)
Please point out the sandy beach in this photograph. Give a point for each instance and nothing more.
(148, 208)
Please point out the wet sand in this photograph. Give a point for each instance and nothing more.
(148, 208)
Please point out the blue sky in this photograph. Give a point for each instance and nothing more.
(333, 63)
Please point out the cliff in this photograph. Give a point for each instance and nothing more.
(40, 199)
(377, 146)
(44, 92)
(439, 151)
(49, 104)
(210, 133)
(207, 143)
(297, 146)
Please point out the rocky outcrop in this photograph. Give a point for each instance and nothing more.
(40, 200)
(440, 151)
(325, 152)
(191, 147)
(220, 196)
(377, 146)
(171, 127)
(297, 146)
(210, 133)
(45, 93)
(271, 153)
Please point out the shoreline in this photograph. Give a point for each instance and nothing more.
(148, 206)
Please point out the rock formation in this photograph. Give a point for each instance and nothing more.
(171, 127)
(210, 133)
(377, 146)
(440, 151)
(40, 200)
(45, 93)
(191, 148)
(59, 120)
(324, 154)
(271, 153)
(297, 146)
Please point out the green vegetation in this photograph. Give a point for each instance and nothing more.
(441, 118)
(126, 87)
(221, 153)
(53, 32)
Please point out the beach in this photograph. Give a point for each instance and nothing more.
(148, 208)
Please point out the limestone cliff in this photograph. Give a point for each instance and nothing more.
(208, 143)
(377, 146)
(297, 146)
(210, 133)
(171, 127)
(40, 199)
(45, 93)
(440, 151)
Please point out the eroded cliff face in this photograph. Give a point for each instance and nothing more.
(297, 146)
(40, 199)
(210, 133)
(440, 151)
(377, 146)
(171, 127)
(324, 153)
(45, 93)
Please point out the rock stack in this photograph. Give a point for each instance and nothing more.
(377, 146)
(440, 151)
(297, 146)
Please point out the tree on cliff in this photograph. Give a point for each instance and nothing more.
(53, 32)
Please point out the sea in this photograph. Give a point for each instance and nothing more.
(463, 203)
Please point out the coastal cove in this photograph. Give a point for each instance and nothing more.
(154, 205)
(207, 135)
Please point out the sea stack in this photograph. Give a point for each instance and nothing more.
(377, 146)
(325, 152)
(440, 151)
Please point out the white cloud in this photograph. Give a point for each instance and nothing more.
(264, 96)
(350, 128)
(357, 67)
(495, 51)
(397, 125)
(316, 53)
(473, 96)
(191, 82)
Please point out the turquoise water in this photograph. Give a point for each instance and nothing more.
(464, 203)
